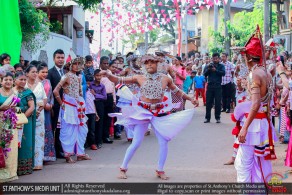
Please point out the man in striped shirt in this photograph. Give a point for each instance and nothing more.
(227, 83)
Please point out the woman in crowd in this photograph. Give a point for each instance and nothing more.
(41, 100)
(180, 73)
(27, 106)
(9, 172)
(49, 150)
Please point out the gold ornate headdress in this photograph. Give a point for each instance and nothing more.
(79, 60)
(148, 57)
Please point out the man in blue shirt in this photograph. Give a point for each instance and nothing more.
(200, 86)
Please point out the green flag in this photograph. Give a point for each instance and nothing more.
(10, 30)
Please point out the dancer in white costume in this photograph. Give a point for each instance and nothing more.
(151, 108)
(72, 115)
(256, 137)
(133, 69)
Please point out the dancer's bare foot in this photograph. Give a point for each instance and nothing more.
(85, 157)
(123, 174)
(161, 175)
(69, 160)
(230, 162)
(147, 133)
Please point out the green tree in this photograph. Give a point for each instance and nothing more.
(134, 40)
(242, 26)
(34, 26)
(86, 4)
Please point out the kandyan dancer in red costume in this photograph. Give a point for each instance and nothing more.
(256, 136)
(72, 115)
(151, 108)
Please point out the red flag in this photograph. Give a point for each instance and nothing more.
(68, 58)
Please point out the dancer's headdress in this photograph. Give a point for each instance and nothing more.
(254, 46)
(148, 57)
(161, 53)
(79, 60)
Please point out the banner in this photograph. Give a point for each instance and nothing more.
(10, 31)
(275, 187)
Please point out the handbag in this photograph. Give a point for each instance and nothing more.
(21, 118)
(2, 158)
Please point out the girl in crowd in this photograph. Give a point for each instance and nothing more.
(9, 173)
(27, 106)
(49, 150)
(5, 59)
(41, 100)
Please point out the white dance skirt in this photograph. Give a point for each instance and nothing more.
(167, 124)
(258, 130)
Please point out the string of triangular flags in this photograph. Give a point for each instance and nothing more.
(138, 16)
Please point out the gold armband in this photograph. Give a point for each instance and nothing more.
(254, 85)
(182, 94)
(253, 109)
(175, 90)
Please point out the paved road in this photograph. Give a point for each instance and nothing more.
(197, 154)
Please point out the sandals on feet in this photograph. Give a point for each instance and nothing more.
(85, 157)
(161, 175)
(123, 174)
(69, 160)
(230, 162)
(147, 133)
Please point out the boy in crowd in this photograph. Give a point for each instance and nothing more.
(200, 83)
(88, 69)
(99, 92)
(91, 115)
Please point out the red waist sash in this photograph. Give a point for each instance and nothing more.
(272, 154)
(68, 103)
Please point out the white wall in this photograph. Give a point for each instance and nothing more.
(86, 48)
(55, 42)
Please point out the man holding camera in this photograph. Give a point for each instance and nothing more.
(214, 71)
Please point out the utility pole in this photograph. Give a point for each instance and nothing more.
(271, 3)
(227, 19)
(216, 10)
(146, 33)
(186, 35)
(112, 26)
(100, 34)
(266, 21)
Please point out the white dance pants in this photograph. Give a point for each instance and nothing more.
(139, 134)
(251, 168)
(73, 138)
(129, 131)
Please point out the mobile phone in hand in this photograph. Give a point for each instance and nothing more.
(281, 58)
